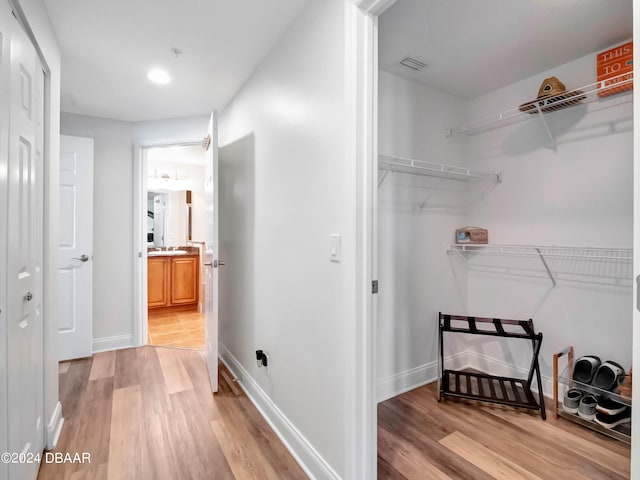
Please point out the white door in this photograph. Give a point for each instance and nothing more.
(25, 251)
(75, 273)
(211, 251)
(5, 99)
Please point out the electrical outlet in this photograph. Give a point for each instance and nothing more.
(262, 359)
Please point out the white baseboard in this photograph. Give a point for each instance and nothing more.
(308, 457)
(54, 427)
(402, 382)
(407, 380)
(118, 342)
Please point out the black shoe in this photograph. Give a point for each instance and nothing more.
(608, 376)
(610, 407)
(611, 421)
(585, 368)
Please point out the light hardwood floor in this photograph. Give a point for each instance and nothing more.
(177, 330)
(419, 438)
(148, 414)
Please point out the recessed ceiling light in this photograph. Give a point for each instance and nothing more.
(159, 76)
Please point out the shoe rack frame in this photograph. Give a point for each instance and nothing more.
(622, 432)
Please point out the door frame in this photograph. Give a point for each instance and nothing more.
(363, 137)
(362, 145)
(635, 413)
(33, 17)
(140, 313)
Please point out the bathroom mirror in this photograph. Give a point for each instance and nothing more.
(175, 201)
(169, 218)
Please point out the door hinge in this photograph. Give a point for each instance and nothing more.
(374, 287)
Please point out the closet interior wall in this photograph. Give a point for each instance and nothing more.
(415, 274)
(581, 194)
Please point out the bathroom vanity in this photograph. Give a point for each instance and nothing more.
(173, 278)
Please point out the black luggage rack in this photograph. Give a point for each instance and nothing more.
(514, 392)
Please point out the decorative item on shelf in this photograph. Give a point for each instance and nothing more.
(472, 236)
(552, 95)
(615, 66)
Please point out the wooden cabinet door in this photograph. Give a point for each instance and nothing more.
(158, 282)
(184, 280)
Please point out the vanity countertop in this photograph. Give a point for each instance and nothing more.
(171, 251)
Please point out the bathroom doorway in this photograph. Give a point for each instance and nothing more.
(175, 234)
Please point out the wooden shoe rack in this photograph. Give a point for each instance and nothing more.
(515, 392)
(565, 378)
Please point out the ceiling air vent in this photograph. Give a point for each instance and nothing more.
(413, 64)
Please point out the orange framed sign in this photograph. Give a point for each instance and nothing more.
(614, 66)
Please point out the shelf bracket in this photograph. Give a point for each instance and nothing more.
(384, 175)
(426, 199)
(546, 266)
(554, 145)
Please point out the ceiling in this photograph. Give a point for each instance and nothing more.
(473, 47)
(108, 46)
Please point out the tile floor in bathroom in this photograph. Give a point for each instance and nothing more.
(177, 330)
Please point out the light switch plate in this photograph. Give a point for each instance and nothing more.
(334, 248)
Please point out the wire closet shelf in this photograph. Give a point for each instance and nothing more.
(593, 253)
(595, 92)
(390, 164)
(621, 258)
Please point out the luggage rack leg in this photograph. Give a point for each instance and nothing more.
(440, 359)
(537, 345)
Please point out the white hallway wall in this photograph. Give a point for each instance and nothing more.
(287, 185)
(113, 323)
(580, 195)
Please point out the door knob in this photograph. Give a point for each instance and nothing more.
(221, 263)
(28, 296)
(83, 258)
